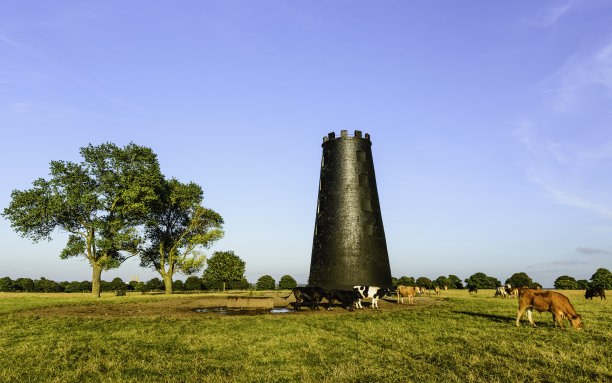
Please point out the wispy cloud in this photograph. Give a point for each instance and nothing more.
(564, 197)
(550, 16)
(592, 251)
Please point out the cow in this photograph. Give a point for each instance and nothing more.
(423, 289)
(406, 291)
(512, 292)
(417, 289)
(544, 300)
(309, 293)
(472, 288)
(373, 292)
(347, 298)
(501, 292)
(445, 288)
(437, 290)
(595, 292)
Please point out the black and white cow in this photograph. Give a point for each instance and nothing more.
(312, 294)
(347, 298)
(373, 292)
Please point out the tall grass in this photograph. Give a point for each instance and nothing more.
(465, 338)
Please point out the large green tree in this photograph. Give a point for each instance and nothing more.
(224, 266)
(177, 229)
(482, 281)
(565, 282)
(602, 278)
(519, 280)
(100, 202)
(266, 282)
(287, 282)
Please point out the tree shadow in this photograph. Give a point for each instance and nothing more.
(494, 318)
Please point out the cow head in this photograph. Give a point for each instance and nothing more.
(576, 321)
(383, 293)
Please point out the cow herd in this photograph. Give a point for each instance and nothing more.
(348, 299)
(541, 300)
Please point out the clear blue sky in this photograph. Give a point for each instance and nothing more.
(491, 122)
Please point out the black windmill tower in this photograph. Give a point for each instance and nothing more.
(349, 246)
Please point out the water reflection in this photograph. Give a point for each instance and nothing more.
(231, 311)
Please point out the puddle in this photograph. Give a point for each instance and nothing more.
(231, 311)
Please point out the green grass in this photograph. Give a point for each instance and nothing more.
(463, 339)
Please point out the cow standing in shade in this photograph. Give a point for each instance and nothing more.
(373, 292)
(312, 294)
(347, 298)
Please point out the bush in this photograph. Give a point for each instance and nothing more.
(583, 284)
(193, 283)
(86, 286)
(565, 282)
(266, 283)
(6, 284)
(178, 285)
(241, 284)
(155, 284)
(287, 282)
(423, 282)
(406, 281)
(519, 280)
(602, 278)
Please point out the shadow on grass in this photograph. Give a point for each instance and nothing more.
(494, 318)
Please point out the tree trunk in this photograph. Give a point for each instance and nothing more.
(223, 286)
(95, 280)
(168, 282)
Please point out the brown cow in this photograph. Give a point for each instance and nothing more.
(437, 290)
(405, 291)
(543, 300)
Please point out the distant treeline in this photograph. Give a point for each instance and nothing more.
(192, 283)
(601, 278)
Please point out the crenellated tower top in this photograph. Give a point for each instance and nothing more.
(344, 135)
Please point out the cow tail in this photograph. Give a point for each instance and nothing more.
(289, 294)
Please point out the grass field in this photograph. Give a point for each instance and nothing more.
(148, 338)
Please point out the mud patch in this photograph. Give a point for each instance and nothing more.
(185, 307)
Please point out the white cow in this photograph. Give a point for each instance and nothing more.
(373, 292)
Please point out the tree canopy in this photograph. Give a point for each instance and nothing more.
(482, 281)
(224, 266)
(287, 282)
(519, 280)
(178, 227)
(266, 282)
(100, 202)
(602, 278)
(565, 282)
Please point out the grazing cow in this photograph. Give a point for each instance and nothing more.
(406, 291)
(423, 289)
(309, 293)
(501, 292)
(347, 298)
(373, 292)
(543, 300)
(472, 288)
(445, 287)
(595, 292)
(437, 288)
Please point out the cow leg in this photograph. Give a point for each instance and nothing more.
(518, 317)
(298, 301)
(374, 303)
(358, 305)
(529, 311)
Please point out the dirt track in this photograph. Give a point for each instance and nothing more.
(183, 307)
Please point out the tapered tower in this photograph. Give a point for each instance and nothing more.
(349, 246)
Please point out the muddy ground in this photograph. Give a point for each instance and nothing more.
(184, 307)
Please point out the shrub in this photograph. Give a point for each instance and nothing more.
(193, 283)
(266, 283)
(287, 282)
